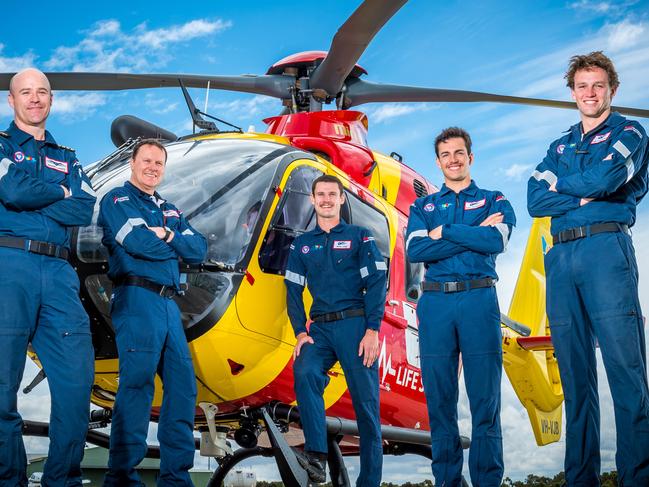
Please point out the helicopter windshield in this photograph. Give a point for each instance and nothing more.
(218, 184)
(222, 187)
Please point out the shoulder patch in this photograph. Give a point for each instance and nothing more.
(633, 129)
(119, 199)
(66, 148)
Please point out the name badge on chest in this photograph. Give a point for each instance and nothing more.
(474, 205)
(342, 244)
(60, 166)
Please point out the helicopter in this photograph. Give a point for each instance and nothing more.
(249, 196)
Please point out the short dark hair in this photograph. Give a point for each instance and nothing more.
(327, 178)
(596, 59)
(153, 142)
(452, 133)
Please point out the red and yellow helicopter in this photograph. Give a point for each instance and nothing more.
(248, 193)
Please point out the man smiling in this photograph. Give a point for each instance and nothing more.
(458, 232)
(145, 235)
(44, 194)
(345, 273)
(590, 183)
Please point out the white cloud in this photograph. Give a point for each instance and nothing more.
(625, 34)
(77, 106)
(615, 9)
(250, 106)
(599, 7)
(106, 47)
(158, 38)
(10, 64)
(386, 112)
(518, 172)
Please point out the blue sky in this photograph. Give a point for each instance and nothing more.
(505, 47)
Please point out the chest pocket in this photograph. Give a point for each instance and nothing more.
(56, 170)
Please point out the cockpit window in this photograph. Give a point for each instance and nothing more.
(294, 215)
(218, 184)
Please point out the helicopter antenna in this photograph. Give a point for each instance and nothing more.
(207, 95)
(197, 115)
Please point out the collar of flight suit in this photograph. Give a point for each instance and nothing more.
(470, 190)
(145, 195)
(337, 229)
(613, 120)
(22, 137)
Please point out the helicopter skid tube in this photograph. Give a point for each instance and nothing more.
(341, 426)
(41, 429)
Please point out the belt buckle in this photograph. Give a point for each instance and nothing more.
(450, 287)
(166, 292)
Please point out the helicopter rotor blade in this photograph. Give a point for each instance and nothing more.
(277, 86)
(350, 42)
(358, 92)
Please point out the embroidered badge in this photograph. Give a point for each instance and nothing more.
(474, 205)
(119, 199)
(305, 249)
(429, 207)
(500, 198)
(60, 166)
(600, 138)
(342, 244)
(171, 213)
(19, 156)
(446, 206)
(561, 148)
(633, 129)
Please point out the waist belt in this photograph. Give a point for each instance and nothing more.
(338, 315)
(160, 289)
(585, 231)
(35, 247)
(457, 286)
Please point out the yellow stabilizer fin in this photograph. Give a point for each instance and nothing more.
(534, 374)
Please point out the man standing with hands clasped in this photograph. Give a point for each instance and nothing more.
(590, 183)
(458, 232)
(346, 275)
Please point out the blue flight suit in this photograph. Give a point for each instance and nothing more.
(466, 322)
(40, 301)
(343, 270)
(149, 334)
(592, 290)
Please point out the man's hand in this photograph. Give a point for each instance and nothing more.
(159, 232)
(436, 233)
(369, 347)
(492, 220)
(66, 192)
(585, 201)
(553, 187)
(302, 338)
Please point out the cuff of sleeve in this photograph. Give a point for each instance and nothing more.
(448, 232)
(299, 330)
(560, 186)
(373, 326)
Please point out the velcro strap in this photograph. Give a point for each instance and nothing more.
(588, 230)
(458, 286)
(338, 315)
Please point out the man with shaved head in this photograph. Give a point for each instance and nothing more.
(44, 194)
